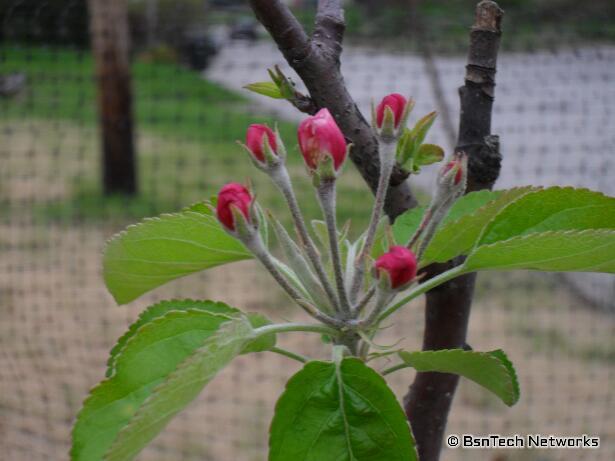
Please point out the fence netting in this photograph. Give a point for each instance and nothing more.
(189, 60)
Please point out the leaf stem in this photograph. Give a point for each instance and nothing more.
(326, 196)
(390, 370)
(423, 288)
(386, 152)
(289, 354)
(291, 326)
(282, 180)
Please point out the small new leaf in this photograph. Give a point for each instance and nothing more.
(427, 154)
(269, 89)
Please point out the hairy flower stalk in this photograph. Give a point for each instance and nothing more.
(282, 180)
(268, 154)
(388, 122)
(387, 162)
(326, 197)
(236, 211)
(450, 185)
(324, 151)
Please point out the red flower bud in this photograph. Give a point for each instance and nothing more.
(457, 163)
(254, 140)
(232, 195)
(319, 137)
(396, 102)
(399, 263)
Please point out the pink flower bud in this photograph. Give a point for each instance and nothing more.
(400, 265)
(319, 137)
(254, 140)
(458, 164)
(233, 195)
(397, 103)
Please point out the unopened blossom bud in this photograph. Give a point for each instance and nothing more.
(256, 137)
(390, 116)
(320, 138)
(396, 103)
(398, 264)
(233, 196)
(452, 176)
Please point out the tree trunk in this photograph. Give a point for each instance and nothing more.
(110, 48)
(447, 308)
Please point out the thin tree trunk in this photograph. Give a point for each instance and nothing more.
(110, 48)
(447, 308)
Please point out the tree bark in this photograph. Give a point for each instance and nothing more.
(447, 308)
(110, 47)
(316, 60)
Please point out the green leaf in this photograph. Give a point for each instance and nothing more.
(406, 225)
(552, 209)
(159, 310)
(463, 226)
(426, 154)
(163, 337)
(492, 370)
(179, 388)
(158, 250)
(419, 132)
(576, 251)
(410, 143)
(269, 89)
(339, 411)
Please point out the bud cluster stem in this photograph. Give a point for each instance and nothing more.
(386, 150)
(326, 197)
(281, 179)
(256, 246)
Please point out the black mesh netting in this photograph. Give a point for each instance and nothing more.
(555, 98)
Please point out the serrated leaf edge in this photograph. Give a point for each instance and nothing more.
(503, 361)
(196, 354)
(141, 321)
(538, 234)
(537, 189)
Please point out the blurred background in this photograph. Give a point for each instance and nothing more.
(164, 80)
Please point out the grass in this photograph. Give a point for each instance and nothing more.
(186, 132)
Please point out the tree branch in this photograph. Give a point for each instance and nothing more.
(447, 309)
(317, 62)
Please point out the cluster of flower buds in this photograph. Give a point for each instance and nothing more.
(324, 150)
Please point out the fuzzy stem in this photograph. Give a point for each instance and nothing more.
(255, 245)
(326, 196)
(364, 301)
(282, 180)
(383, 298)
(423, 288)
(292, 327)
(289, 354)
(386, 152)
(389, 370)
